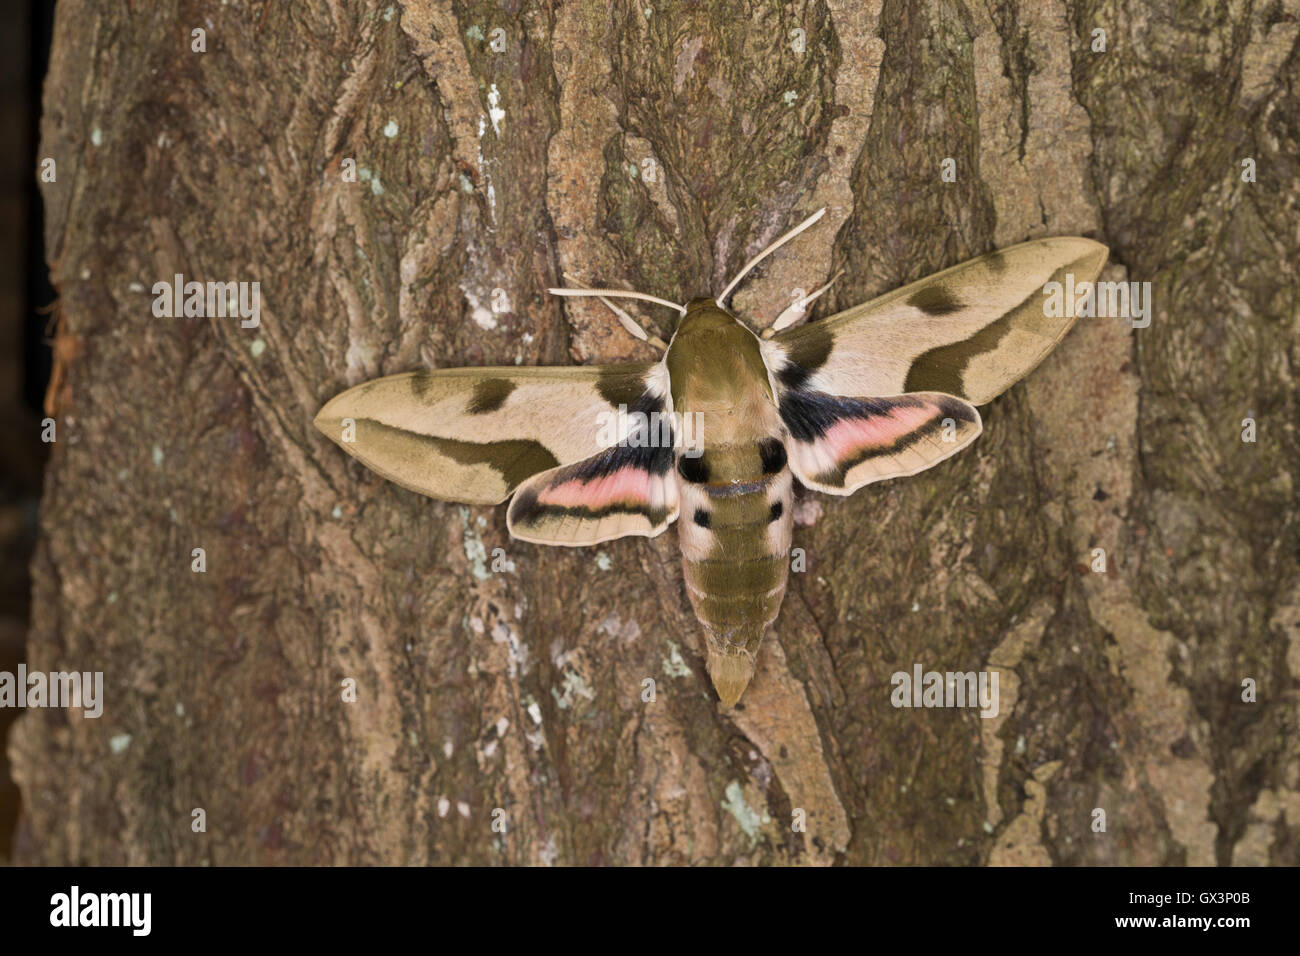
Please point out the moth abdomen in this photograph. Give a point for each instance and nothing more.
(735, 552)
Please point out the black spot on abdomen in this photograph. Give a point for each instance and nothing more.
(693, 469)
(773, 454)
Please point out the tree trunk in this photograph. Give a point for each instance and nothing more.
(657, 146)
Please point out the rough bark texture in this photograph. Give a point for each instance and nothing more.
(521, 689)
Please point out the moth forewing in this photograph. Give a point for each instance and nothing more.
(970, 331)
(475, 435)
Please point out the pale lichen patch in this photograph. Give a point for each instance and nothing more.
(747, 817)
(674, 666)
(574, 689)
(475, 550)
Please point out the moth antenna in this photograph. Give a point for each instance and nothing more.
(620, 294)
(633, 327)
(768, 251)
(796, 308)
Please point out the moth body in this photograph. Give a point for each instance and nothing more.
(734, 487)
(585, 454)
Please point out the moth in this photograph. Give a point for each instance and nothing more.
(880, 390)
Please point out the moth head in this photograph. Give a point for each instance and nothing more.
(702, 314)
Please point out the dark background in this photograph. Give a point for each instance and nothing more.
(25, 323)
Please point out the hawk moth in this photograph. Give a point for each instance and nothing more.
(881, 390)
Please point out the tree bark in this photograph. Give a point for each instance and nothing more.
(517, 160)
